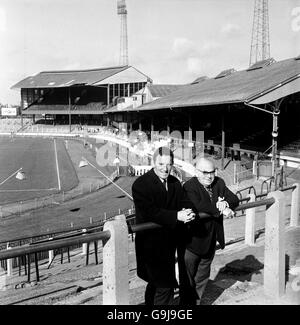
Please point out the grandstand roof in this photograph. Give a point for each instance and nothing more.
(278, 79)
(67, 78)
(159, 90)
(162, 90)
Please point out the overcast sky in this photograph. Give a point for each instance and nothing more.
(171, 41)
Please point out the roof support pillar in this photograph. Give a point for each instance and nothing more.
(70, 120)
(190, 137)
(108, 88)
(152, 128)
(21, 118)
(276, 112)
(223, 139)
(168, 124)
(131, 116)
(190, 127)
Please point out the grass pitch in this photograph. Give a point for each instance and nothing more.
(45, 163)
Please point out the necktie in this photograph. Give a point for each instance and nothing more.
(165, 184)
(209, 190)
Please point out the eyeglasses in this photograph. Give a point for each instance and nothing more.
(204, 172)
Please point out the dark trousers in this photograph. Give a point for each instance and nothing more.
(198, 270)
(158, 296)
(187, 294)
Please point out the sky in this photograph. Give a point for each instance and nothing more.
(171, 41)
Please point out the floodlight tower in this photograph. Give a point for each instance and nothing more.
(260, 41)
(122, 11)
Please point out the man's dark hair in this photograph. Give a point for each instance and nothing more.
(163, 151)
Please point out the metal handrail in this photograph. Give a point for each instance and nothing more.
(247, 188)
(261, 195)
(51, 245)
(255, 204)
(244, 199)
(89, 227)
(144, 226)
(292, 187)
(265, 182)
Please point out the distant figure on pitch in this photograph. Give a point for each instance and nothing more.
(117, 163)
(206, 193)
(158, 198)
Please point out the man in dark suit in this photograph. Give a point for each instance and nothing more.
(158, 198)
(210, 199)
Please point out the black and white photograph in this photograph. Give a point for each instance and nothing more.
(150, 155)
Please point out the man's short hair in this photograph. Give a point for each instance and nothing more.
(163, 151)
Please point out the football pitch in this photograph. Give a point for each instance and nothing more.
(34, 167)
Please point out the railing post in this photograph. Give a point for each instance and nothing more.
(2, 279)
(254, 168)
(51, 254)
(9, 264)
(84, 245)
(235, 181)
(274, 254)
(295, 210)
(250, 223)
(115, 263)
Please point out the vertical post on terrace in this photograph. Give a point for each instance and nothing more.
(235, 178)
(50, 254)
(115, 263)
(274, 260)
(9, 264)
(295, 210)
(250, 223)
(84, 245)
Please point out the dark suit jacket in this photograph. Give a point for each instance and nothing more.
(155, 249)
(203, 232)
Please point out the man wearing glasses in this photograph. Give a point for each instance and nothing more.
(210, 199)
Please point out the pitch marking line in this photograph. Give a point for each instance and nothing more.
(57, 168)
(10, 176)
(31, 190)
(127, 194)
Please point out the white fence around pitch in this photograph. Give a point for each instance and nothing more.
(140, 170)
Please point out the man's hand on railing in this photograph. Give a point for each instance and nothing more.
(185, 215)
(221, 204)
